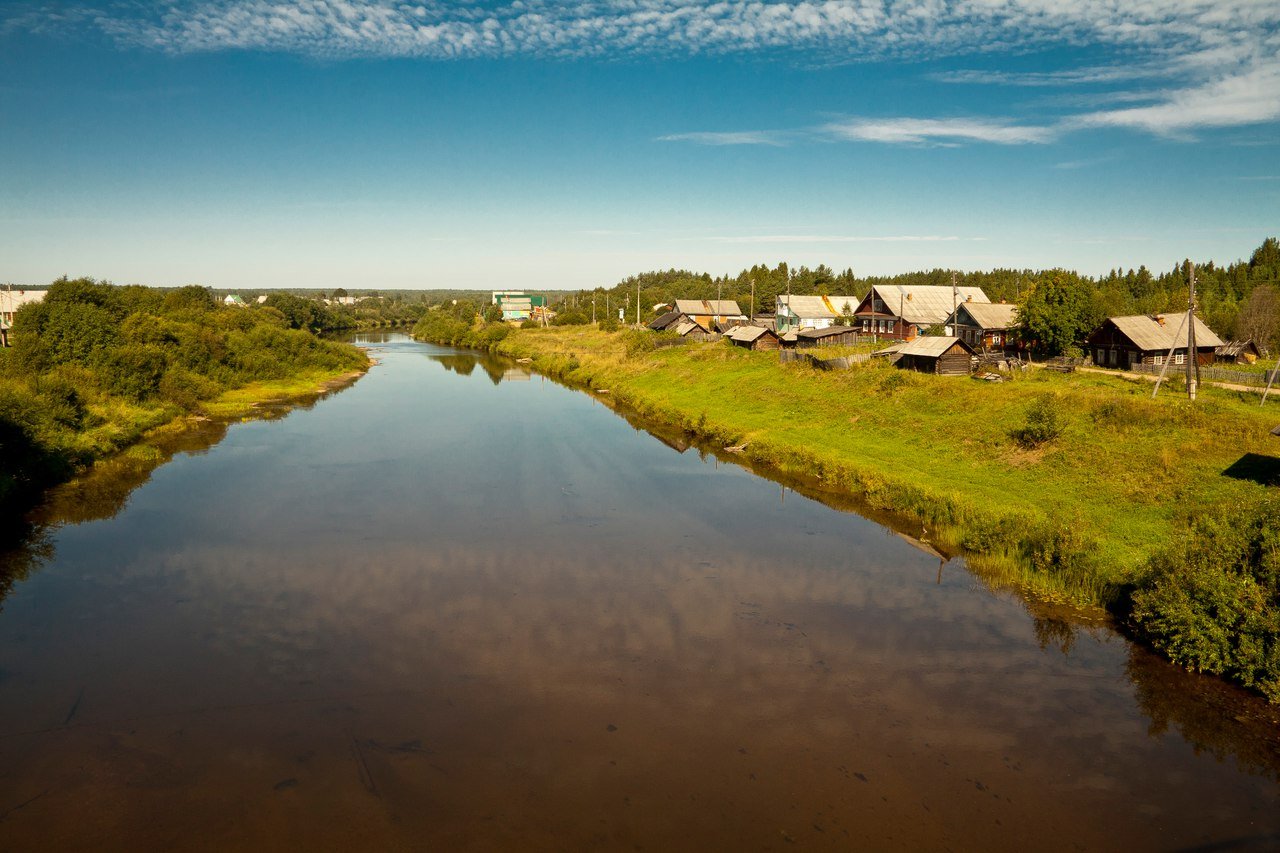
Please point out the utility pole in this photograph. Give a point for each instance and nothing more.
(1193, 365)
(753, 300)
(955, 300)
(637, 304)
(593, 309)
(717, 311)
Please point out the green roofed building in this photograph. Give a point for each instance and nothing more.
(516, 304)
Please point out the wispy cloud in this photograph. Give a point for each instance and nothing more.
(1250, 97)
(741, 137)
(840, 29)
(924, 131)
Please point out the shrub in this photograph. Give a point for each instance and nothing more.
(1212, 602)
(1044, 423)
(609, 324)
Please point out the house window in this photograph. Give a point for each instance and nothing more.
(1159, 359)
(1099, 357)
(995, 340)
(1180, 358)
(866, 325)
(1113, 358)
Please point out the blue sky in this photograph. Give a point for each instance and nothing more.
(369, 143)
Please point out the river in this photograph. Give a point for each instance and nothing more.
(458, 606)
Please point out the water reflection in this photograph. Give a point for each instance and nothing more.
(429, 614)
(497, 368)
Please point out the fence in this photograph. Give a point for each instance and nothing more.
(786, 356)
(1208, 374)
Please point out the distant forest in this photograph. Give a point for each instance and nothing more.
(1238, 301)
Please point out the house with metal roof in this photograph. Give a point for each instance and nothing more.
(1123, 342)
(985, 326)
(810, 312)
(903, 312)
(711, 314)
(518, 305)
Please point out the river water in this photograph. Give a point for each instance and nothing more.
(457, 606)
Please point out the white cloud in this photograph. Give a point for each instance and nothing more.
(742, 137)
(923, 131)
(838, 30)
(1251, 97)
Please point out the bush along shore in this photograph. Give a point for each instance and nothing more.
(94, 368)
(1073, 488)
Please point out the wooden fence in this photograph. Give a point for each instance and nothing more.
(1208, 374)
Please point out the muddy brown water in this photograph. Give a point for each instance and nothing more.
(460, 607)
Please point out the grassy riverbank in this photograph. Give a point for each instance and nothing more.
(1123, 472)
(1072, 487)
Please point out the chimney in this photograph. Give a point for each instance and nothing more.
(1160, 319)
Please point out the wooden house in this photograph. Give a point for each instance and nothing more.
(1237, 352)
(947, 356)
(1124, 342)
(986, 326)
(753, 338)
(903, 312)
(794, 313)
(831, 336)
(710, 314)
(666, 321)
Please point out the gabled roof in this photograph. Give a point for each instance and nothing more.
(926, 305)
(1236, 348)
(686, 326)
(664, 321)
(829, 331)
(817, 307)
(991, 315)
(747, 334)
(719, 307)
(930, 346)
(1150, 333)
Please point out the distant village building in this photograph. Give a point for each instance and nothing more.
(897, 311)
(754, 338)
(985, 326)
(832, 336)
(10, 302)
(1123, 342)
(517, 304)
(944, 356)
(794, 313)
(1238, 352)
(233, 299)
(711, 314)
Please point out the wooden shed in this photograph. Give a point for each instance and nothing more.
(753, 338)
(829, 337)
(1237, 352)
(944, 356)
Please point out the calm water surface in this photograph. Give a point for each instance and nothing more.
(459, 607)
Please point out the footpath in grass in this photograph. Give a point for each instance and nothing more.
(1075, 515)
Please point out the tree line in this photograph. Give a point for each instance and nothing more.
(1059, 307)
